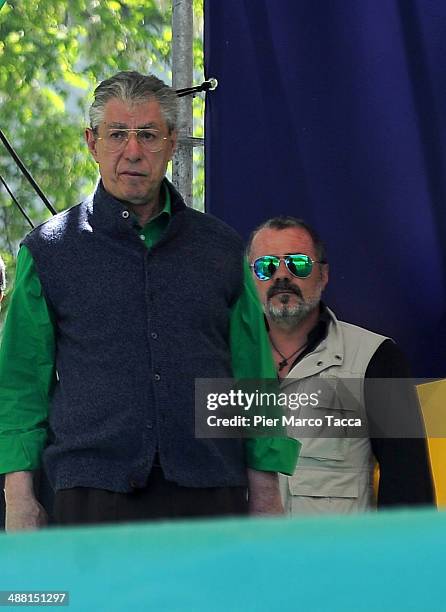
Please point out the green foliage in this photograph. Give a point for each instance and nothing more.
(52, 55)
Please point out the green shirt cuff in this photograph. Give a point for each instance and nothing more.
(272, 454)
(22, 452)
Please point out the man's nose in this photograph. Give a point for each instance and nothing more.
(132, 148)
(283, 272)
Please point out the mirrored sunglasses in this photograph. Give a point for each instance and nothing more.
(298, 264)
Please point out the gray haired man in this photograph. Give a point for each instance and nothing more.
(129, 296)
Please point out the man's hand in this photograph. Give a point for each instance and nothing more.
(23, 511)
(263, 493)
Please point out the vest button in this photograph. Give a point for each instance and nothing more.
(157, 377)
(154, 335)
(125, 214)
(149, 425)
(134, 484)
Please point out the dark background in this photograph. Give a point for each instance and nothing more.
(334, 111)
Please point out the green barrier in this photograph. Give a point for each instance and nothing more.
(388, 561)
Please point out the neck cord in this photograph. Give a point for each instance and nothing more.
(284, 362)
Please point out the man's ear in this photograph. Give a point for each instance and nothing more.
(91, 143)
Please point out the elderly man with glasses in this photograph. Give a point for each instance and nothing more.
(120, 304)
(315, 352)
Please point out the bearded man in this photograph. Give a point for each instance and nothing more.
(336, 474)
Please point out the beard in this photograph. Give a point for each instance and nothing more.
(288, 315)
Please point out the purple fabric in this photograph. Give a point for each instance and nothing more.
(337, 115)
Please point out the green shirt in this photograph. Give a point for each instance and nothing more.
(27, 365)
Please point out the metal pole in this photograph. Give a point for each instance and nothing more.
(182, 75)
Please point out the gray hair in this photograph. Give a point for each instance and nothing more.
(131, 86)
(285, 222)
(2, 275)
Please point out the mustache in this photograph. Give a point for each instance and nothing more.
(282, 285)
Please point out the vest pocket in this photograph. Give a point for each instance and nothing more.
(323, 427)
(334, 449)
(324, 483)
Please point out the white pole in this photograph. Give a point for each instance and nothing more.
(182, 75)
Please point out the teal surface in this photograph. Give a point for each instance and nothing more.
(386, 562)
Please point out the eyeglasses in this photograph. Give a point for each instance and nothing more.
(116, 139)
(298, 264)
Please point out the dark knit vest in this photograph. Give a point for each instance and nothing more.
(134, 328)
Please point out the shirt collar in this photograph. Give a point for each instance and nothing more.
(319, 331)
(166, 210)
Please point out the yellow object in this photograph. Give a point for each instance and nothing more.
(433, 405)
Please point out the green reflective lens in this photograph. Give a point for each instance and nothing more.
(298, 264)
(266, 266)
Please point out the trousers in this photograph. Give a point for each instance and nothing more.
(159, 499)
